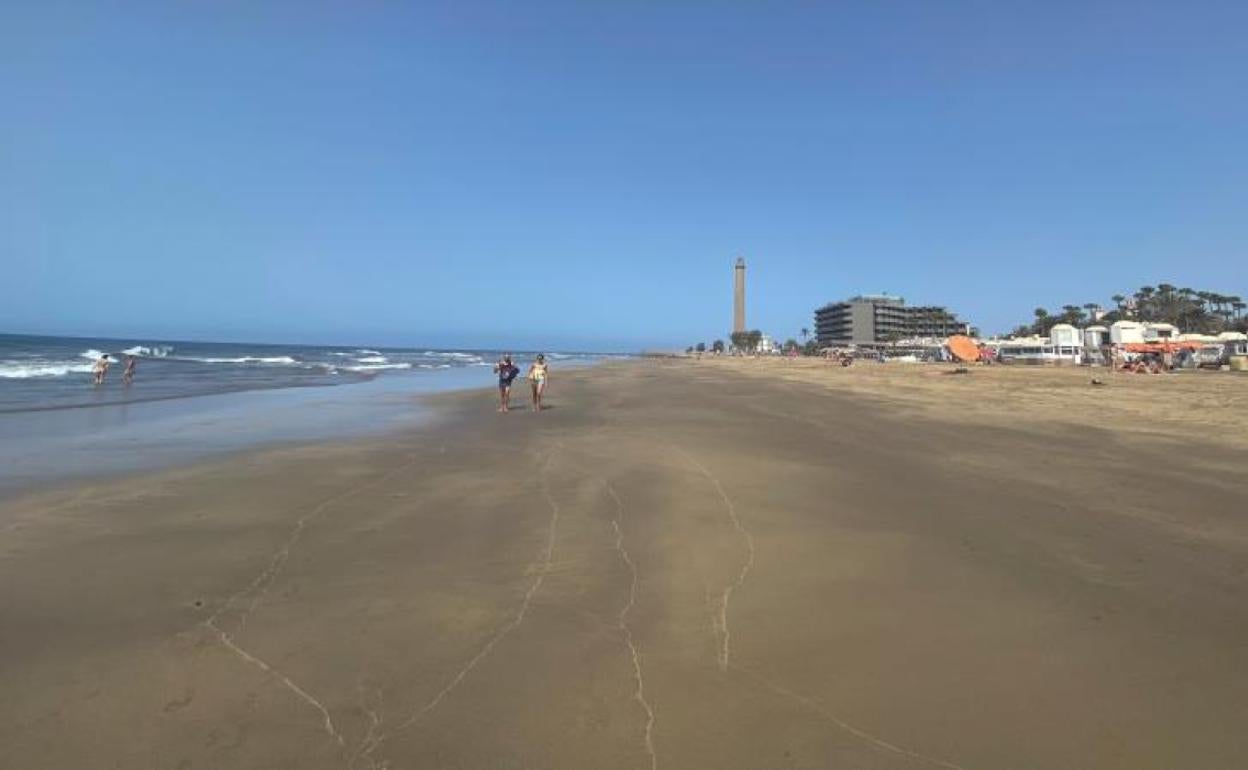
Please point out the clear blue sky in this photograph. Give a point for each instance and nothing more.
(583, 174)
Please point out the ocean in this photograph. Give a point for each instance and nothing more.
(39, 373)
(193, 400)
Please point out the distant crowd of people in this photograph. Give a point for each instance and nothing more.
(100, 371)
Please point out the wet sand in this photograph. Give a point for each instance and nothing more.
(679, 565)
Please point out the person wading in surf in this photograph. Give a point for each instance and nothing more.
(127, 375)
(101, 369)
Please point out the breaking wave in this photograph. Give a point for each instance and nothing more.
(155, 351)
(375, 367)
(19, 370)
(285, 360)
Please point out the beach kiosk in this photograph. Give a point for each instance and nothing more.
(1095, 337)
(1160, 332)
(1095, 345)
(1067, 342)
(1126, 333)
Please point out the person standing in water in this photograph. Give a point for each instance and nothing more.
(127, 375)
(506, 372)
(539, 373)
(101, 369)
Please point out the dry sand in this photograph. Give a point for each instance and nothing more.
(1202, 405)
(679, 565)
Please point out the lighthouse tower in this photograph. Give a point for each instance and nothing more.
(738, 296)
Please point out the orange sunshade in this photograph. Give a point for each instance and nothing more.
(1161, 347)
(963, 348)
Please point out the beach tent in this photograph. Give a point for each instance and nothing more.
(1161, 347)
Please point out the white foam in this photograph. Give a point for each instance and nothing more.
(91, 354)
(16, 370)
(155, 351)
(367, 352)
(246, 360)
(376, 367)
(373, 360)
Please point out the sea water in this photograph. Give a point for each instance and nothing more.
(193, 399)
(38, 373)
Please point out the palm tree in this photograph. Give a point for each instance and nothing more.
(752, 339)
(1143, 299)
(1166, 300)
(1219, 305)
(1042, 316)
(1205, 299)
(1118, 300)
(805, 334)
(1231, 301)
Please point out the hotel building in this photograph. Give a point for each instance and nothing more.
(873, 320)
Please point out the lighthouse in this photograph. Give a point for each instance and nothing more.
(738, 296)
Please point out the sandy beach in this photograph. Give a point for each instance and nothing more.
(680, 564)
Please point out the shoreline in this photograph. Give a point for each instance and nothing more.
(669, 567)
(43, 448)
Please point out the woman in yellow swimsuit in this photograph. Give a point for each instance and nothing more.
(539, 373)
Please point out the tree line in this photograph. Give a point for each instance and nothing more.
(746, 342)
(1203, 312)
(749, 341)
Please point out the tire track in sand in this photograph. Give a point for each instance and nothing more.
(720, 619)
(542, 567)
(260, 585)
(639, 693)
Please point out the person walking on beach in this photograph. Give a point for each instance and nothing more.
(506, 372)
(127, 375)
(539, 373)
(101, 369)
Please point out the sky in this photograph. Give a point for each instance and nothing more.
(583, 175)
